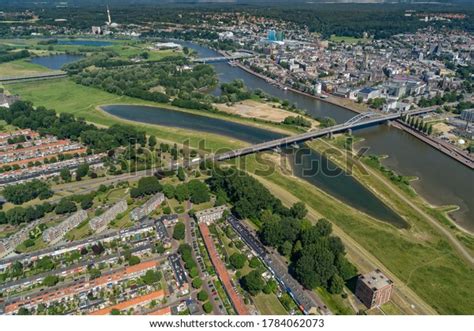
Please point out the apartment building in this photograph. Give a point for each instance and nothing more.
(56, 233)
(99, 223)
(148, 207)
(210, 215)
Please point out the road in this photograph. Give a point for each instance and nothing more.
(191, 239)
(404, 297)
(277, 265)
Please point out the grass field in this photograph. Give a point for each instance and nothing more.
(420, 257)
(347, 39)
(20, 68)
(64, 95)
(268, 304)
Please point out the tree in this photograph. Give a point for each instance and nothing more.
(237, 260)
(270, 287)
(207, 307)
(23, 311)
(197, 282)
(286, 248)
(115, 311)
(133, 260)
(151, 277)
(252, 282)
(298, 210)
(254, 262)
(181, 174)
(24, 192)
(198, 191)
(82, 170)
(179, 231)
(336, 284)
(50, 280)
(65, 206)
(152, 142)
(65, 174)
(146, 186)
(202, 296)
(314, 267)
(430, 129)
(168, 191)
(87, 202)
(181, 192)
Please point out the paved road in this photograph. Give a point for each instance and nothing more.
(192, 241)
(275, 263)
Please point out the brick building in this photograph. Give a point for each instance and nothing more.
(373, 289)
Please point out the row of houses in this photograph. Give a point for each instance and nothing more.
(54, 234)
(64, 293)
(61, 249)
(99, 223)
(23, 146)
(45, 171)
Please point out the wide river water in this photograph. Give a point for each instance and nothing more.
(441, 180)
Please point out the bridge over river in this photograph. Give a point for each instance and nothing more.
(361, 120)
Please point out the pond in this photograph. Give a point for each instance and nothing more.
(55, 62)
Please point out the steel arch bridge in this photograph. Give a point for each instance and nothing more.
(360, 117)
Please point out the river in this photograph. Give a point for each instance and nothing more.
(307, 164)
(441, 180)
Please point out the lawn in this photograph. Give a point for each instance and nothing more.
(64, 95)
(20, 67)
(347, 39)
(421, 257)
(83, 230)
(335, 302)
(268, 304)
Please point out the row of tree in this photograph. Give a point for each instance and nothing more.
(23, 115)
(21, 193)
(418, 124)
(317, 258)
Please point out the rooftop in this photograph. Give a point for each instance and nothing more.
(375, 279)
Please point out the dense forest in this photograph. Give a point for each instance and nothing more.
(317, 257)
(158, 81)
(379, 20)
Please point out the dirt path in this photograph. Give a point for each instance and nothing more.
(403, 296)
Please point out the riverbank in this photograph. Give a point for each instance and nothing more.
(410, 256)
(329, 99)
(446, 148)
